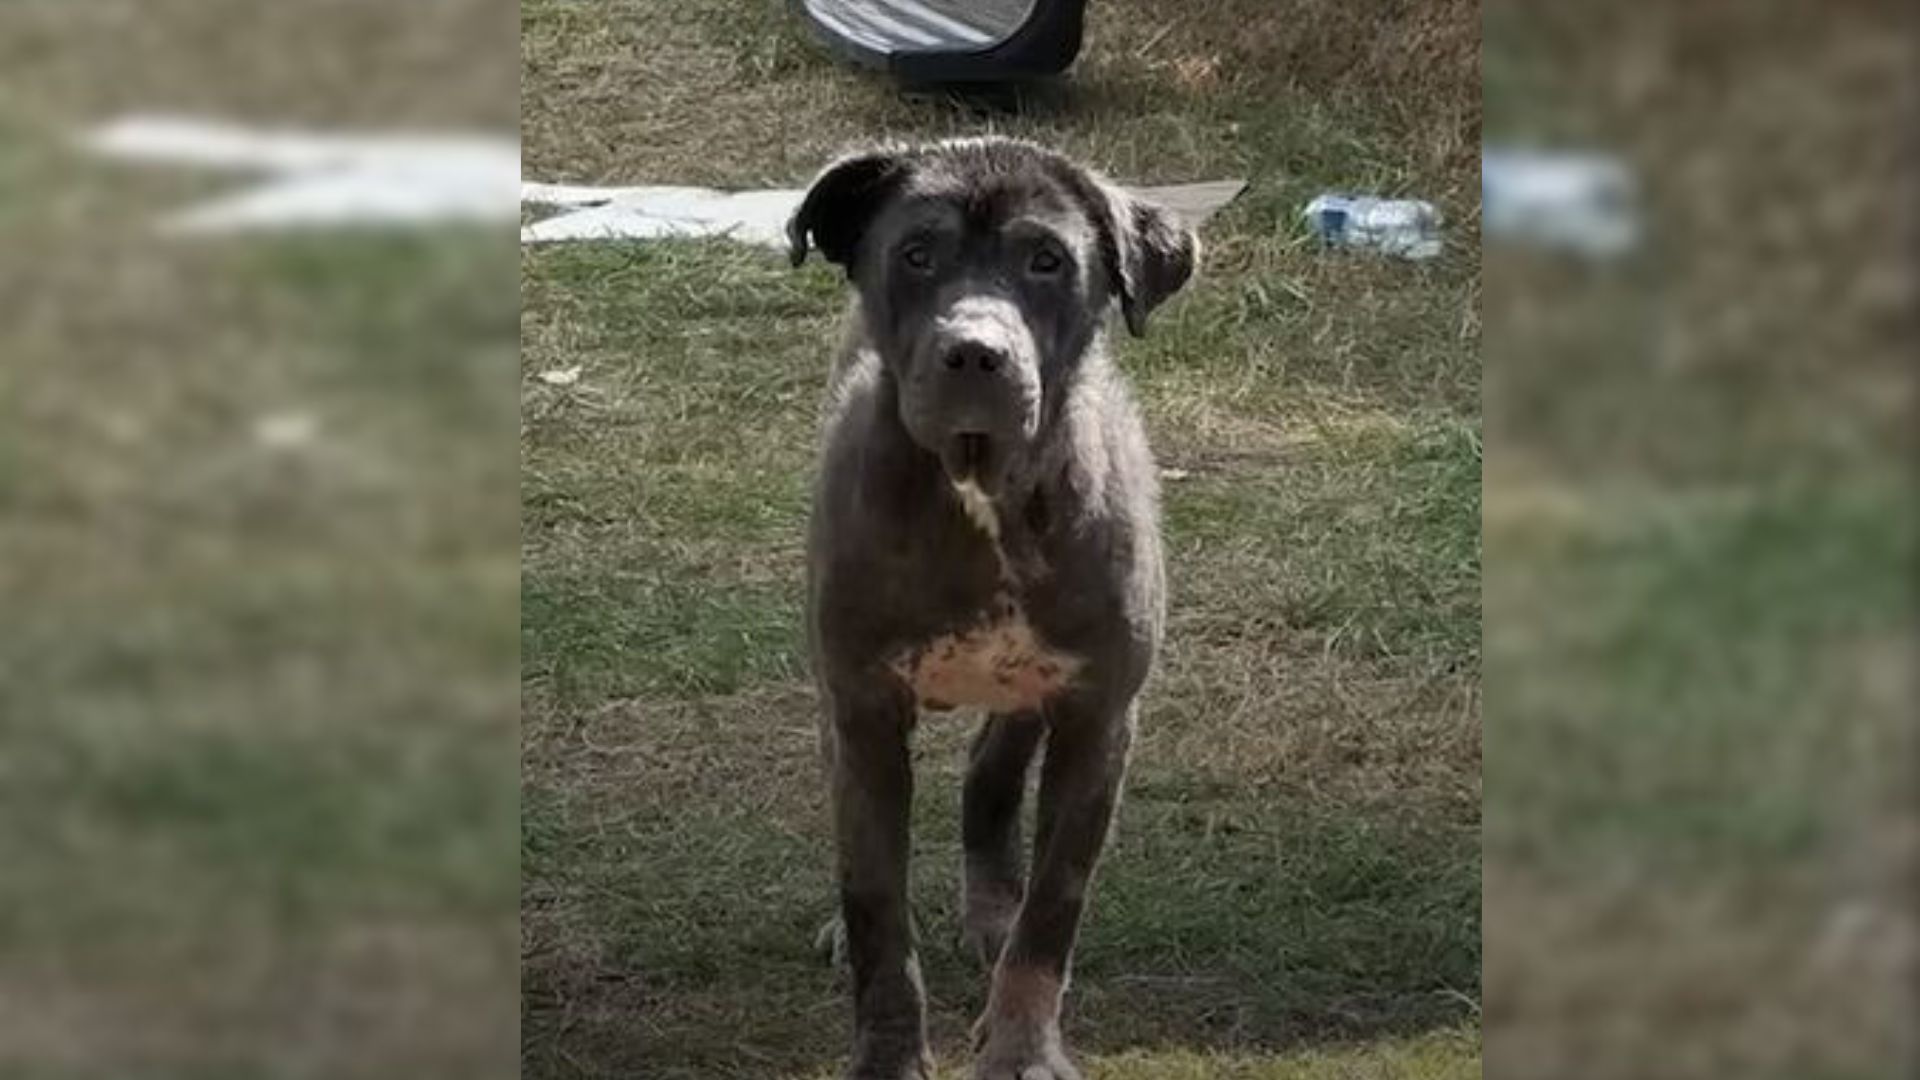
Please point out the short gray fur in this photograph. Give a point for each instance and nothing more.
(1008, 258)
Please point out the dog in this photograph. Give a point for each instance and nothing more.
(985, 535)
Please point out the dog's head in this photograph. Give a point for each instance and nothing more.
(985, 268)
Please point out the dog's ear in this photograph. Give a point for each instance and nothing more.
(841, 204)
(1153, 254)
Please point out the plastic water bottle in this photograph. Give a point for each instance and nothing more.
(1407, 228)
(1569, 201)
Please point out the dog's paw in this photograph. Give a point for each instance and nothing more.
(1055, 1067)
(830, 943)
(919, 1070)
(884, 1059)
(1023, 1053)
(1031, 1072)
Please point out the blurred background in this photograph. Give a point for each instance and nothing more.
(1700, 807)
(257, 562)
(258, 554)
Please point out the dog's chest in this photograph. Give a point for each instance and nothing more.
(1000, 664)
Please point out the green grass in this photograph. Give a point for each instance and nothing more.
(1700, 542)
(255, 700)
(1294, 886)
(1444, 1055)
(1685, 700)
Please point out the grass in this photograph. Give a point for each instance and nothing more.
(1442, 1055)
(1294, 889)
(256, 718)
(1699, 534)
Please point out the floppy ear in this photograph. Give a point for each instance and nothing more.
(840, 205)
(1153, 255)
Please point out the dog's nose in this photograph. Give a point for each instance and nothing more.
(974, 356)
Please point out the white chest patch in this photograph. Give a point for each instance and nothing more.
(979, 508)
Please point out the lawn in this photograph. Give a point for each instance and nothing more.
(258, 563)
(1294, 888)
(1700, 547)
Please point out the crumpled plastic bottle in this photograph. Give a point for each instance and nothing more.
(1407, 228)
(1567, 201)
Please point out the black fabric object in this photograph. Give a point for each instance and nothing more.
(921, 42)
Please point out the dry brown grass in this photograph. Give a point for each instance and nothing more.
(713, 96)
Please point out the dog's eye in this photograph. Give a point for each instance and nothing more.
(917, 256)
(1046, 262)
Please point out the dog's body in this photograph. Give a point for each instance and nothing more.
(985, 534)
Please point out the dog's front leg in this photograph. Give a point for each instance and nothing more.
(1018, 1037)
(872, 780)
(995, 877)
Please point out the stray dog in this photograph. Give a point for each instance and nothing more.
(985, 534)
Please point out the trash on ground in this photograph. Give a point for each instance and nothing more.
(565, 376)
(313, 180)
(286, 431)
(1407, 228)
(1581, 202)
(651, 213)
(750, 217)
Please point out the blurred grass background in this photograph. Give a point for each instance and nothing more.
(1294, 886)
(1701, 819)
(256, 727)
(257, 554)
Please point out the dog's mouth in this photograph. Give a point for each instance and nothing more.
(968, 457)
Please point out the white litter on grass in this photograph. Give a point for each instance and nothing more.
(648, 213)
(565, 376)
(1407, 228)
(750, 217)
(312, 180)
(286, 431)
(1567, 201)
(324, 181)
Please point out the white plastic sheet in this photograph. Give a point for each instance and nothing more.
(305, 179)
(310, 180)
(753, 217)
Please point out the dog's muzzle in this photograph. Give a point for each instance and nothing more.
(979, 389)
